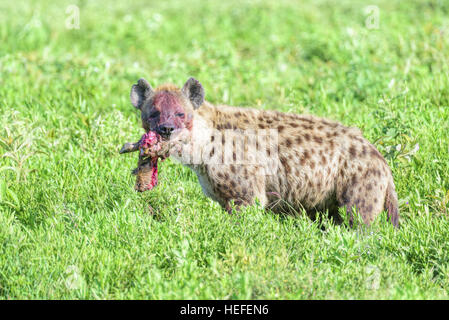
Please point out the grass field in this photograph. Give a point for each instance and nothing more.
(71, 225)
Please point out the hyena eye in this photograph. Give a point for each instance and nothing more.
(180, 114)
(154, 114)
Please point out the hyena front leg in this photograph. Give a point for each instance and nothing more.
(236, 186)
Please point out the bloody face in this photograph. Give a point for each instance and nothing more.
(164, 116)
(167, 117)
(166, 113)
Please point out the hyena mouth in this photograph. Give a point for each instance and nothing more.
(151, 148)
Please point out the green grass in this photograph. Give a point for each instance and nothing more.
(71, 225)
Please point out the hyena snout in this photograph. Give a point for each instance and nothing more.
(165, 130)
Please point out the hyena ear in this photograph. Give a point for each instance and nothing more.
(194, 91)
(140, 92)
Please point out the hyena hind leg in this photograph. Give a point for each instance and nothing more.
(367, 197)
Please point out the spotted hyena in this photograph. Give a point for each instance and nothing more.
(286, 161)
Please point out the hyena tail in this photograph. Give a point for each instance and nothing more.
(391, 205)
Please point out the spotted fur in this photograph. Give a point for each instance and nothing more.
(321, 164)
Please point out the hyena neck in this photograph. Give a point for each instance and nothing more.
(209, 121)
(223, 117)
(203, 125)
(201, 132)
(204, 116)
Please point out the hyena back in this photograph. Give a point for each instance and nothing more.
(314, 164)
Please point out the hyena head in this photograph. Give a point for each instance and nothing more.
(168, 110)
